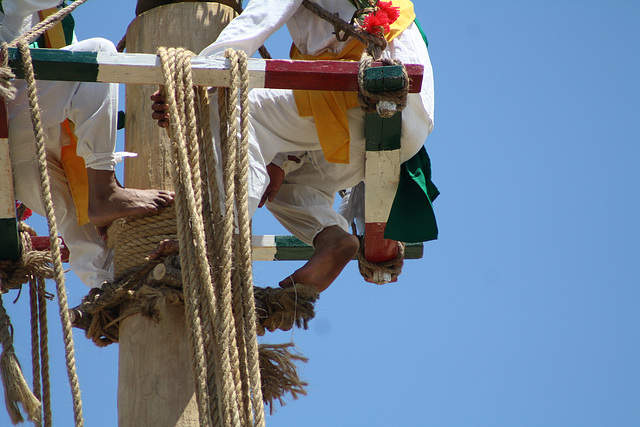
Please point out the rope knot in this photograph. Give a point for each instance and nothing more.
(387, 102)
(393, 267)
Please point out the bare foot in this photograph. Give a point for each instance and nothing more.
(166, 247)
(108, 201)
(334, 249)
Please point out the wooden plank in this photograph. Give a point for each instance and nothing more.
(382, 169)
(10, 247)
(290, 248)
(137, 68)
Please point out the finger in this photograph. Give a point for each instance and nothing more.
(262, 200)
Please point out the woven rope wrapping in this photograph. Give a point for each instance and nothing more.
(134, 237)
(371, 102)
(393, 266)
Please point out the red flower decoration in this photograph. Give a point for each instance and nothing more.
(378, 22)
(392, 12)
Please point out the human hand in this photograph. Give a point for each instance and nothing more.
(276, 177)
(160, 109)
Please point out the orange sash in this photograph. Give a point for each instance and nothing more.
(72, 164)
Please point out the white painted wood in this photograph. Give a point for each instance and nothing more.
(264, 248)
(382, 175)
(7, 198)
(143, 68)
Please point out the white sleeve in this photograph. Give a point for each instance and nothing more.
(253, 27)
(25, 8)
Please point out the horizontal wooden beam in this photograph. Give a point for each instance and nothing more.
(289, 248)
(265, 248)
(138, 68)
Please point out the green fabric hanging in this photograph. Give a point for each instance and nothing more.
(412, 218)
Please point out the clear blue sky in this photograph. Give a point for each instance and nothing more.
(526, 311)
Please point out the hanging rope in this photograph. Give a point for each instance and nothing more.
(16, 389)
(22, 43)
(229, 381)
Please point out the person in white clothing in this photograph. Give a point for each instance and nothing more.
(92, 107)
(302, 198)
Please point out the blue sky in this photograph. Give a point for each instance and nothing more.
(525, 311)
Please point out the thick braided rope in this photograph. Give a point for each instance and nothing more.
(16, 389)
(226, 372)
(230, 277)
(223, 248)
(393, 266)
(247, 311)
(208, 181)
(370, 101)
(36, 119)
(35, 342)
(192, 310)
(40, 348)
(208, 313)
(228, 399)
(44, 352)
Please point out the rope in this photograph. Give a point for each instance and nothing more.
(16, 389)
(393, 266)
(375, 44)
(40, 348)
(53, 231)
(385, 103)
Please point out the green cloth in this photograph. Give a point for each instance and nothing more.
(412, 218)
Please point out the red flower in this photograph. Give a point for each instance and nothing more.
(378, 22)
(392, 12)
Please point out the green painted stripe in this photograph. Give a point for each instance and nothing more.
(290, 248)
(383, 134)
(10, 247)
(55, 64)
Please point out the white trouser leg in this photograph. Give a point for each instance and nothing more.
(93, 108)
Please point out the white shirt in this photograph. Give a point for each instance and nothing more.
(20, 16)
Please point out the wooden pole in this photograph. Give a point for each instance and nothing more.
(155, 384)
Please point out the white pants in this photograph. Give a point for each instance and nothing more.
(92, 107)
(304, 204)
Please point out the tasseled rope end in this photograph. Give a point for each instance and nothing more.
(279, 375)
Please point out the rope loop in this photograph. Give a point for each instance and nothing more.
(385, 103)
(393, 266)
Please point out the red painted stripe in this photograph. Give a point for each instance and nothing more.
(42, 243)
(325, 75)
(4, 119)
(376, 247)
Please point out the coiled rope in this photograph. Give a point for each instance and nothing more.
(223, 347)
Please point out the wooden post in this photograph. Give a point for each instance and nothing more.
(10, 247)
(155, 384)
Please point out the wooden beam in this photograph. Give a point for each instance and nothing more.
(382, 169)
(139, 68)
(290, 248)
(10, 247)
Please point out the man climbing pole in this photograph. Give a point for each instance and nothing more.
(90, 108)
(312, 143)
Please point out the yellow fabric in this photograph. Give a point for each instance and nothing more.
(54, 38)
(76, 171)
(73, 165)
(329, 108)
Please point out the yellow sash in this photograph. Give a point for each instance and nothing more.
(329, 108)
(72, 164)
